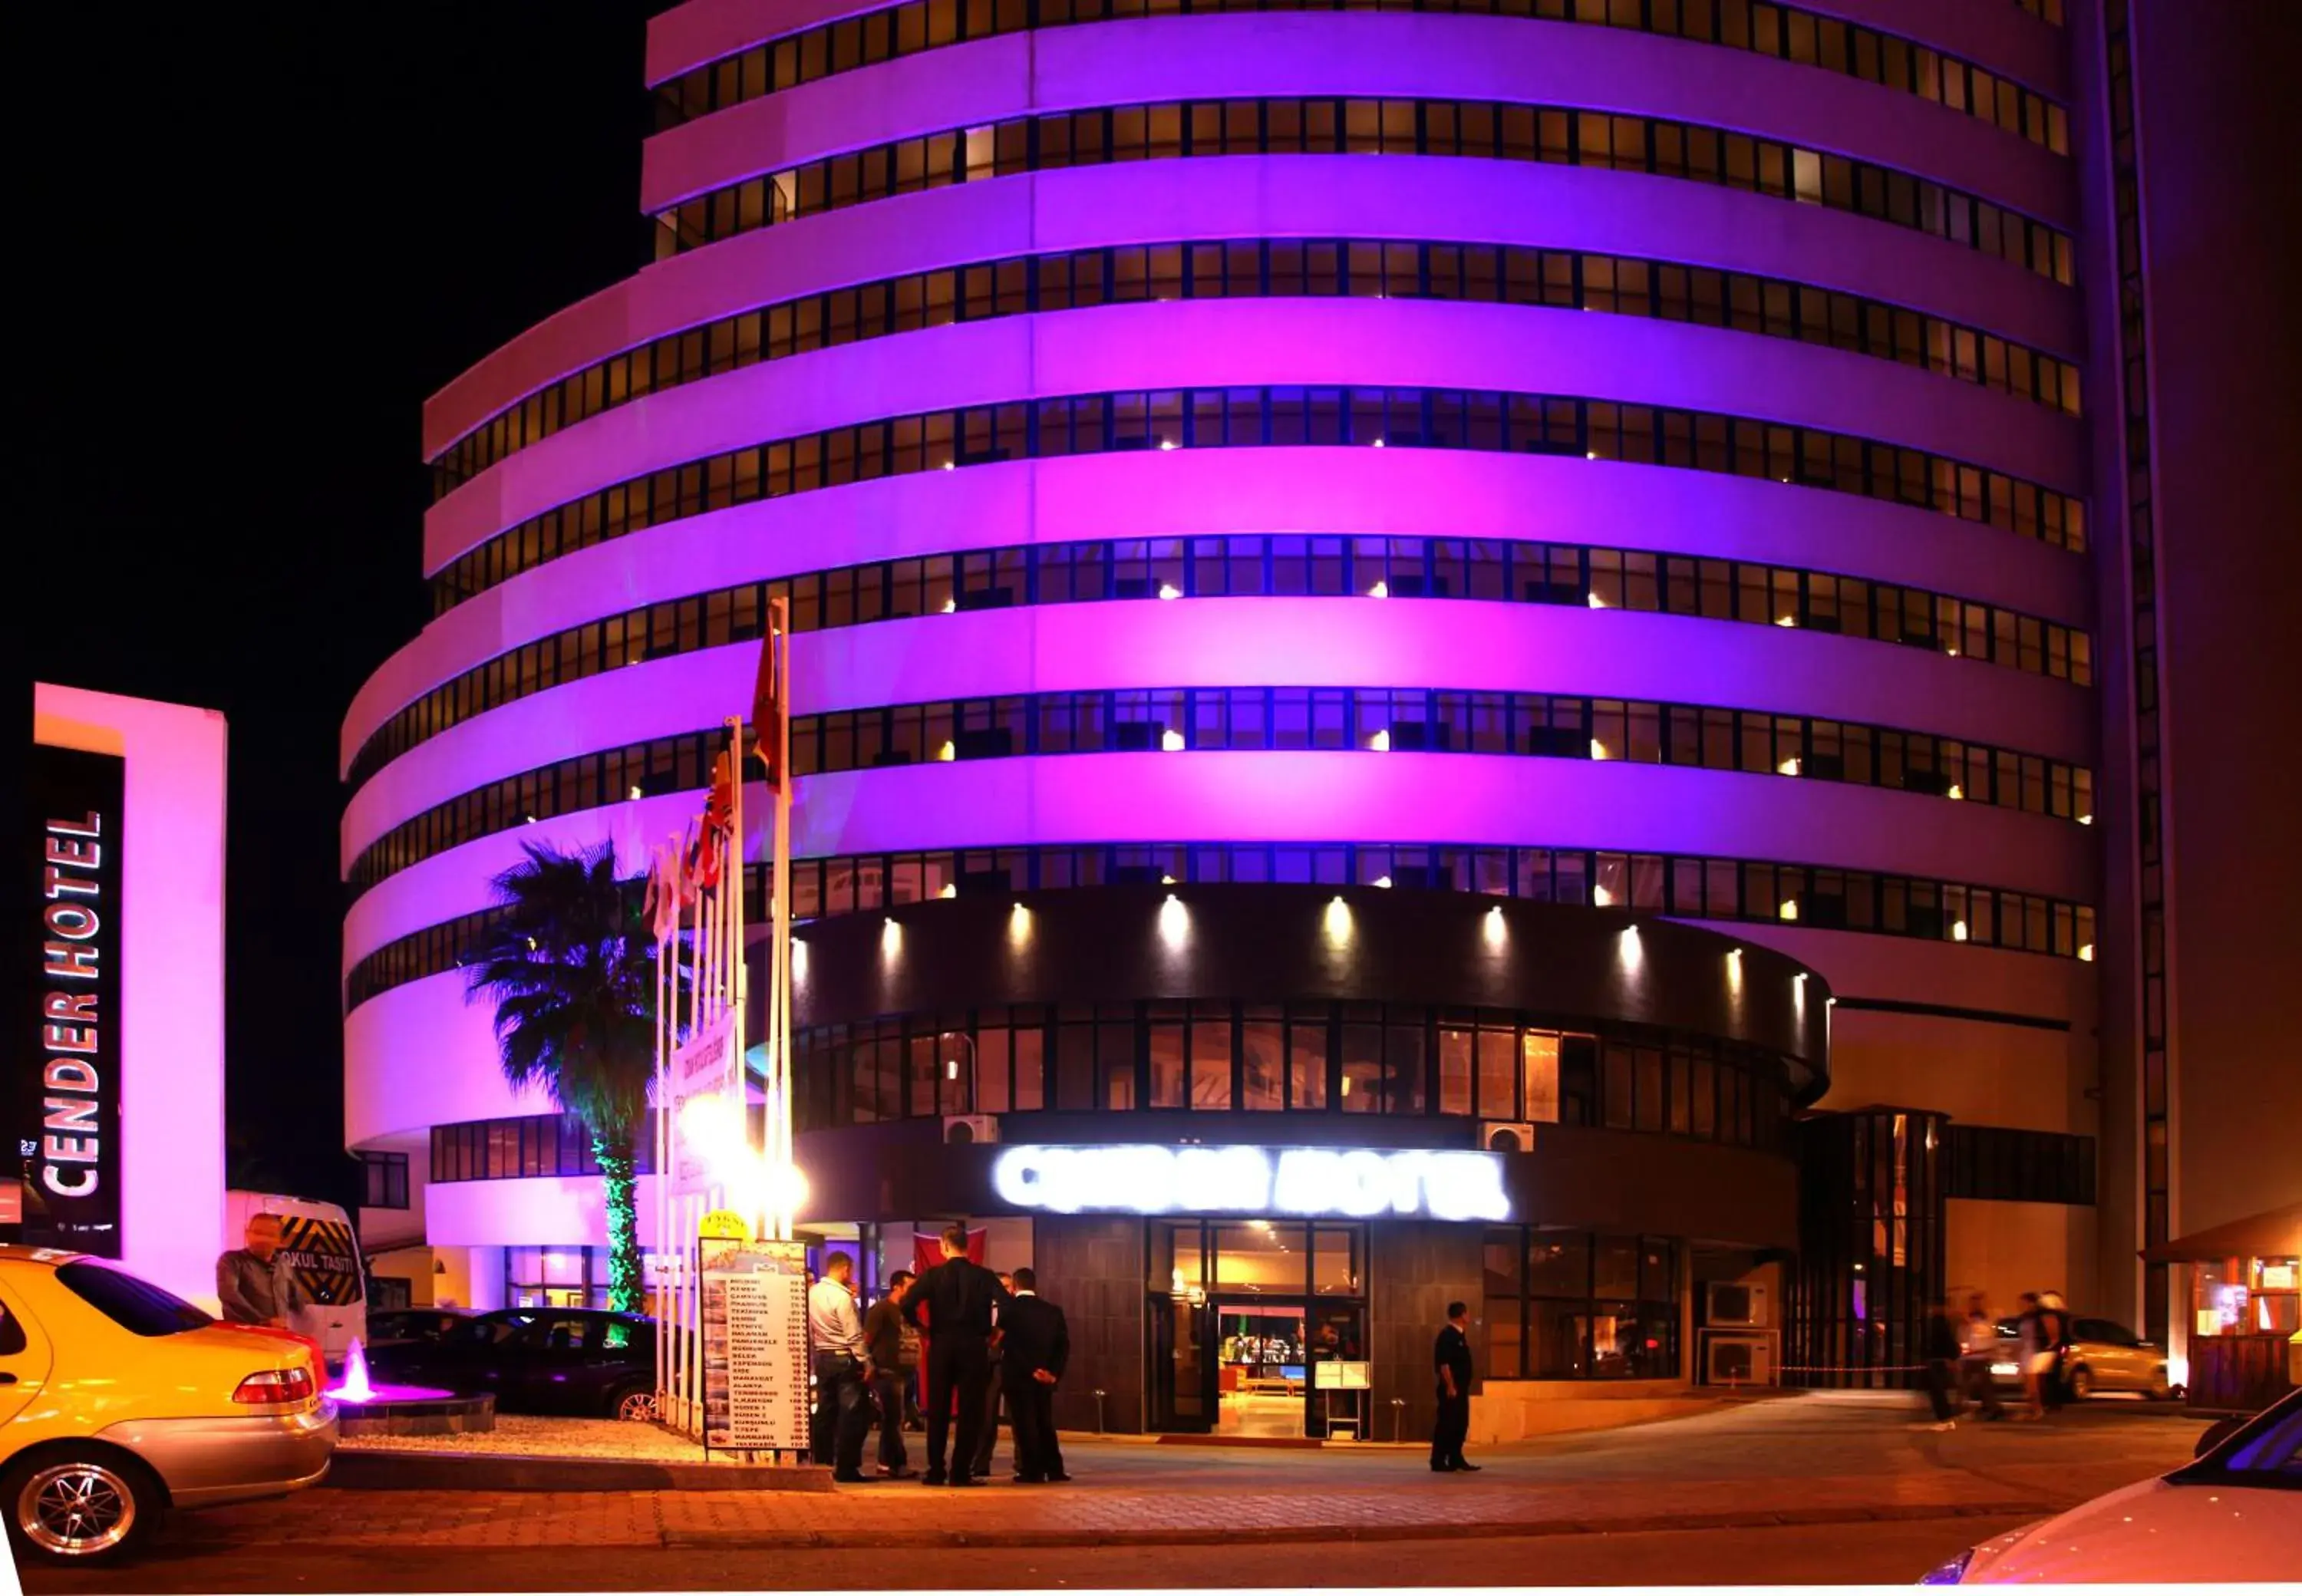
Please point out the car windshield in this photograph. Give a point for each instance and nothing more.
(2265, 1452)
(136, 1306)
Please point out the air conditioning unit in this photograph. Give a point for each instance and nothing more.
(1507, 1135)
(961, 1129)
(1732, 1357)
(1737, 1303)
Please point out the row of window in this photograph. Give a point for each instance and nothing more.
(1312, 1057)
(2018, 1166)
(1176, 720)
(1687, 887)
(1251, 268)
(1142, 568)
(533, 1145)
(1785, 32)
(1477, 129)
(1568, 1305)
(1290, 416)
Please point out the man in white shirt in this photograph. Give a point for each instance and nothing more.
(841, 1369)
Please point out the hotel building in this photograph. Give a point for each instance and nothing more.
(1553, 582)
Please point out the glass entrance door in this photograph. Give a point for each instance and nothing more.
(1261, 1372)
(1182, 1376)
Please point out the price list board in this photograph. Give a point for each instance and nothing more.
(755, 1351)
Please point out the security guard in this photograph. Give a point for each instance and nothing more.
(956, 1299)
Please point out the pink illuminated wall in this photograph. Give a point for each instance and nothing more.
(173, 953)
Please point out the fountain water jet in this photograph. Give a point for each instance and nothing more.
(368, 1406)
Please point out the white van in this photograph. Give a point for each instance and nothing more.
(322, 1245)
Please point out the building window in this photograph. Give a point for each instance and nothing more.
(534, 1145)
(385, 1180)
(1992, 1165)
(1568, 1305)
(556, 1277)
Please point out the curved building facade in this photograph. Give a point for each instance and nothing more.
(1415, 575)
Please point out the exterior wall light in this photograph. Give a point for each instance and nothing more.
(1734, 970)
(1600, 896)
(1786, 620)
(1788, 908)
(1595, 601)
(1380, 741)
(1166, 879)
(1018, 925)
(2086, 951)
(1958, 930)
(1597, 749)
(1381, 590)
(1493, 927)
(1383, 881)
(1174, 922)
(633, 795)
(1629, 950)
(1789, 767)
(891, 938)
(1171, 741)
(950, 606)
(2086, 820)
(1339, 920)
(1378, 444)
(949, 750)
(798, 959)
(950, 890)
(1168, 590)
(1957, 791)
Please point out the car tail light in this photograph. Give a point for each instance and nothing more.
(275, 1388)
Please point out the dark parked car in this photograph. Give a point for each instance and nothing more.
(537, 1360)
(396, 1327)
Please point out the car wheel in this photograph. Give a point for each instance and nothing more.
(2159, 1391)
(634, 1403)
(2082, 1383)
(80, 1507)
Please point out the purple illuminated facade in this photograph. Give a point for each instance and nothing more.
(1646, 468)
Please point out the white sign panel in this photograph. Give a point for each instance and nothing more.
(755, 1352)
(704, 1066)
(1315, 1182)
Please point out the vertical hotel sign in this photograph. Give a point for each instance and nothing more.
(68, 1108)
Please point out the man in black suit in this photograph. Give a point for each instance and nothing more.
(958, 1295)
(1450, 1361)
(1039, 1344)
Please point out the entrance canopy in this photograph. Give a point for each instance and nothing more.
(2274, 1234)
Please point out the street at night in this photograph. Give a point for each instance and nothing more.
(1827, 1489)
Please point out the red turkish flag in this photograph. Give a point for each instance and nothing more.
(768, 707)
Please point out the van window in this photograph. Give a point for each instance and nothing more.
(136, 1306)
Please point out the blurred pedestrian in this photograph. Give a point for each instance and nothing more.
(1977, 1350)
(890, 1371)
(1038, 1344)
(2034, 1352)
(1940, 1346)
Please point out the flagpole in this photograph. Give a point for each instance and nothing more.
(732, 873)
(779, 995)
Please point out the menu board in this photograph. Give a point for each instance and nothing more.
(1340, 1375)
(755, 1351)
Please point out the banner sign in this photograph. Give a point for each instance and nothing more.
(755, 1350)
(68, 1108)
(704, 1066)
(1316, 1182)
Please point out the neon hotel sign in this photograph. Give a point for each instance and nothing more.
(1315, 1182)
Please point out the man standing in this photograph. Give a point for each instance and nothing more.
(836, 1332)
(883, 1337)
(255, 1283)
(1940, 1343)
(1038, 1343)
(989, 1440)
(1451, 1360)
(958, 1297)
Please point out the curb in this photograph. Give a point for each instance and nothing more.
(1321, 1535)
(356, 1470)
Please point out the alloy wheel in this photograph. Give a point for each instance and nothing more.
(76, 1510)
(638, 1406)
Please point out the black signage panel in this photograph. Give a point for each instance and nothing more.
(67, 1106)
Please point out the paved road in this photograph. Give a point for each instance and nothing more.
(1836, 1487)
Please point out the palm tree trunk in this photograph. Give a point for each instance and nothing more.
(626, 1286)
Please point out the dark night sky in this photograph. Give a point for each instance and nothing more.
(263, 235)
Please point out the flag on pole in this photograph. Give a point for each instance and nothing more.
(767, 705)
(720, 807)
(663, 896)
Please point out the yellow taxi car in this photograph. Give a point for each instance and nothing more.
(119, 1400)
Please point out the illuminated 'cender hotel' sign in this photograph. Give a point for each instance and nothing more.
(1440, 654)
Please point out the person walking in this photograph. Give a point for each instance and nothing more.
(2036, 1354)
(1940, 1346)
(1977, 1350)
(1450, 1361)
(890, 1371)
(254, 1282)
(836, 1331)
(1038, 1344)
(2054, 1331)
(957, 1297)
(988, 1442)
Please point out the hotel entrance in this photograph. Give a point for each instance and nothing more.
(1250, 1312)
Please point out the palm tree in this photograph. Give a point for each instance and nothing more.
(570, 969)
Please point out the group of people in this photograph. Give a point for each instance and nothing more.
(981, 1338)
(1961, 1348)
